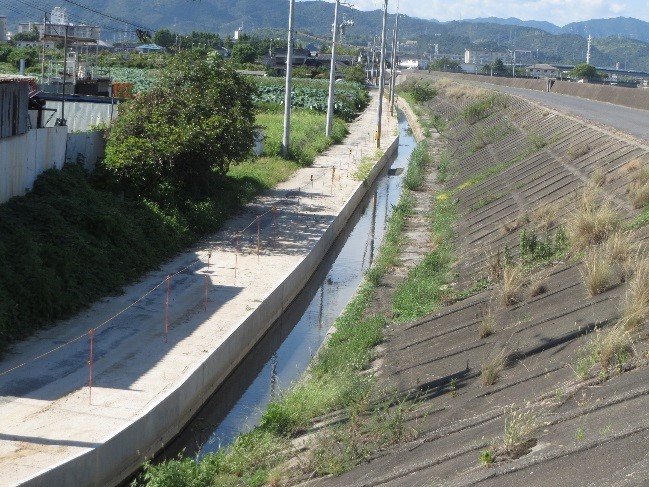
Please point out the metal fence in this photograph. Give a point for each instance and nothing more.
(14, 100)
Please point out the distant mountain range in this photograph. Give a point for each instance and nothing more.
(620, 40)
(619, 26)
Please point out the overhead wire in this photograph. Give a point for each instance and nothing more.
(80, 5)
(11, 8)
(43, 8)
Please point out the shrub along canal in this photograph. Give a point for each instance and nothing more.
(286, 350)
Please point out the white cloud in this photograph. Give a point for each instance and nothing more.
(559, 12)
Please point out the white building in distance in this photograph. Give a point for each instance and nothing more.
(59, 24)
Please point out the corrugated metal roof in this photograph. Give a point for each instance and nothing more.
(15, 78)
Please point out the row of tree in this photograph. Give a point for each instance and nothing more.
(498, 68)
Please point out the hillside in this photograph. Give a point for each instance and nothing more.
(544, 41)
(621, 26)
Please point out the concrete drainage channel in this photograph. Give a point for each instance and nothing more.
(286, 350)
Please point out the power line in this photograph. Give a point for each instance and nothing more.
(11, 8)
(106, 15)
(75, 18)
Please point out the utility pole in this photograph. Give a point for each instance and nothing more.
(373, 58)
(43, 53)
(381, 76)
(289, 73)
(393, 78)
(61, 121)
(332, 73)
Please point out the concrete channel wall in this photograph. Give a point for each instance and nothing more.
(114, 459)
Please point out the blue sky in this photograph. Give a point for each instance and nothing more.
(559, 12)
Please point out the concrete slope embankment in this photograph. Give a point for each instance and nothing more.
(151, 371)
(554, 411)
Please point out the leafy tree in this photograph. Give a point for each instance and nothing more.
(5, 51)
(164, 38)
(243, 53)
(26, 36)
(354, 73)
(584, 71)
(29, 54)
(191, 126)
(499, 66)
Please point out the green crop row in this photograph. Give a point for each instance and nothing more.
(349, 99)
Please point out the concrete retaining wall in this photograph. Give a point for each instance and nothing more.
(85, 147)
(115, 459)
(24, 157)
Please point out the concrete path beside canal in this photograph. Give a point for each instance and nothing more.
(157, 349)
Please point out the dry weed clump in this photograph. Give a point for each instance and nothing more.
(495, 265)
(488, 323)
(519, 427)
(598, 177)
(465, 92)
(620, 250)
(592, 222)
(639, 189)
(508, 227)
(633, 165)
(577, 151)
(597, 271)
(538, 284)
(635, 309)
(512, 283)
(612, 347)
(544, 216)
(492, 368)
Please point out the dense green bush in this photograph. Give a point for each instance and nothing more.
(196, 121)
(66, 244)
(420, 90)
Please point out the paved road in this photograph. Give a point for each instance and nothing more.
(630, 120)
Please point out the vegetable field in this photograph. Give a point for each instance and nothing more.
(349, 99)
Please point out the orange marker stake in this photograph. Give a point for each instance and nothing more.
(258, 236)
(207, 280)
(92, 339)
(167, 310)
(236, 259)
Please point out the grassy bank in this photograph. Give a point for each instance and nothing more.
(70, 242)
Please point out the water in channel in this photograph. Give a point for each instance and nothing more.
(286, 350)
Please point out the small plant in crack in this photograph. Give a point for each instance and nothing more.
(452, 387)
(486, 458)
